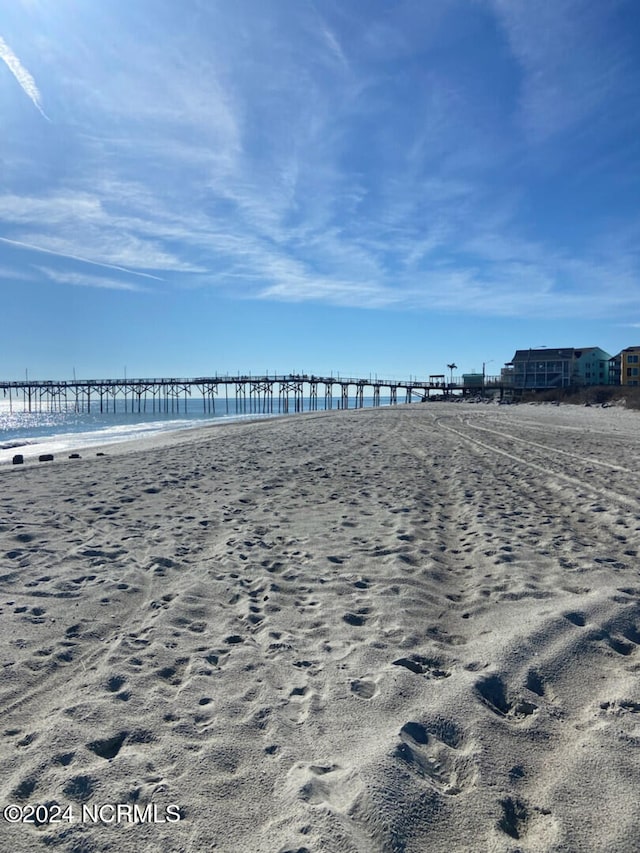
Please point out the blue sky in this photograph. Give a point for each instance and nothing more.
(352, 186)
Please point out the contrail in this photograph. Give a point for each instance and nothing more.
(77, 258)
(26, 81)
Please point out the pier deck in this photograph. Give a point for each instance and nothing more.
(251, 394)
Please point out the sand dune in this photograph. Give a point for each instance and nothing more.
(394, 630)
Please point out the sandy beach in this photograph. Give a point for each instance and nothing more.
(398, 630)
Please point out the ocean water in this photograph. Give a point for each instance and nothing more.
(58, 432)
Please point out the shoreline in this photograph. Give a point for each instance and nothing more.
(183, 433)
(83, 443)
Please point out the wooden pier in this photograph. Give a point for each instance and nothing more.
(248, 394)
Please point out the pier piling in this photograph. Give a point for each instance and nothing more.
(253, 394)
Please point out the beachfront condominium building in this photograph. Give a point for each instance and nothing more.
(591, 366)
(569, 367)
(625, 367)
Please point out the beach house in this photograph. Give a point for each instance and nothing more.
(548, 368)
(624, 368)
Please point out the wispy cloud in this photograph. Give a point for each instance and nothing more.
(569, 67)
(24, 78)
(312, 157)
(14, 274)
(83, 280)
(49, 251)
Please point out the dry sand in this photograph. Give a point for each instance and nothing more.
(411, 629)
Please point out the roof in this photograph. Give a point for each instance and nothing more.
(556, 354)
(580, 351)
(545, 354)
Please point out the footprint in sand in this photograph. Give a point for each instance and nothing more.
(430, 667)
(619, 707)
(515, 817)
(576, 618)
(108, 748)
(325, 783)
(174, 675)
(357, 619)
(115, 682)
(24, 790)
(493, 693)
(433, 753)
(297, 707)
(535, 683)
(364, 688)
(80, 788)
(622, 643)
